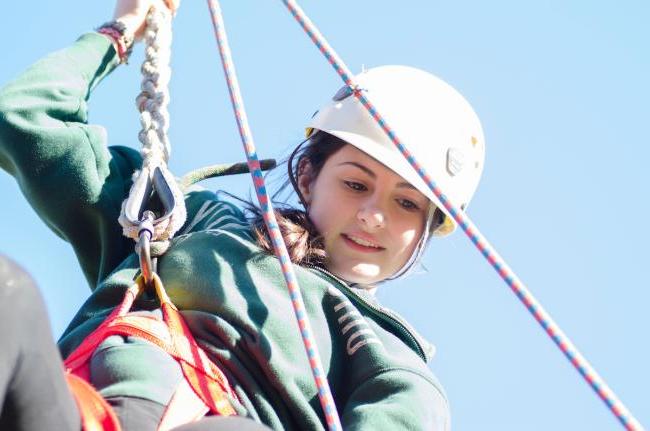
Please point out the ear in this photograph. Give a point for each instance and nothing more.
(305, 180)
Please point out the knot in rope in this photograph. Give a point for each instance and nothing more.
(152, 103)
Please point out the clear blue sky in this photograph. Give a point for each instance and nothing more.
(562, 90)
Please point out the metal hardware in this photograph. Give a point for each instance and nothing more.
(145, 233)
(143, 189)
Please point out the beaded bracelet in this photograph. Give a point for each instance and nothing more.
(116, 30)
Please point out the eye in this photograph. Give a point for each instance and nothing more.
(408, 204)
(357, 187)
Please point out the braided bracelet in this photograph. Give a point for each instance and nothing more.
(116, 30)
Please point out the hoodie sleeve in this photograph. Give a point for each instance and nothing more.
(396, 399)
(61, 163)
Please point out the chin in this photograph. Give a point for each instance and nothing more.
(366, 274)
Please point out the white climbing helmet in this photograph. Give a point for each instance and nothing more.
(435, 123)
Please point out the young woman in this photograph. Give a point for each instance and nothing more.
(367, 218)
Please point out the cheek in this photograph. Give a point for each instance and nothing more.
(317, 218)
(320, 213)
(328, 207)
(409, 236)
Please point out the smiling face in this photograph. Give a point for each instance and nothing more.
(369, 217)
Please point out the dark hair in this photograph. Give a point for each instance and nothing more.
(303, 241)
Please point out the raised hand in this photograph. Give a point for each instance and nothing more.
(133, 13)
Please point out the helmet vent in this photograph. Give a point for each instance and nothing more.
(455, 161)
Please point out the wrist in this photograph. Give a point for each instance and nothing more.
(122, 39)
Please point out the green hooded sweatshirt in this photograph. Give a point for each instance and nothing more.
(231, 293)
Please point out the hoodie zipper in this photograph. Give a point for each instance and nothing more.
(381, 312)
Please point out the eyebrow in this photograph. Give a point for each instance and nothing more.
(403, 184)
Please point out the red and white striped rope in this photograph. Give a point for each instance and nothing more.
(472, 232)
(324, 392)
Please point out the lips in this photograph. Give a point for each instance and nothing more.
(360, 243)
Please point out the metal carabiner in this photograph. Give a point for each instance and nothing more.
(145, 233)
(138, 212)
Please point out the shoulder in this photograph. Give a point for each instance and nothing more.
(207, 211)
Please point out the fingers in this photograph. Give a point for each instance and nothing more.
(133, 13)
(173, 5)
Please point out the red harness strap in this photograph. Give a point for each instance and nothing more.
(205, 387)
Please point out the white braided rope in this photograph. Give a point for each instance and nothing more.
(154, 118)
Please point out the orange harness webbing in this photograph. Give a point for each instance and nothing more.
(204, 388)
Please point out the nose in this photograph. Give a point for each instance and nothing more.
(371, 217)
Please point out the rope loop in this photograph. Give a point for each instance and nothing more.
(152, 103)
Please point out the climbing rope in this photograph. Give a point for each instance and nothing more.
(324, 392)
(504, 271)
(154, 118)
